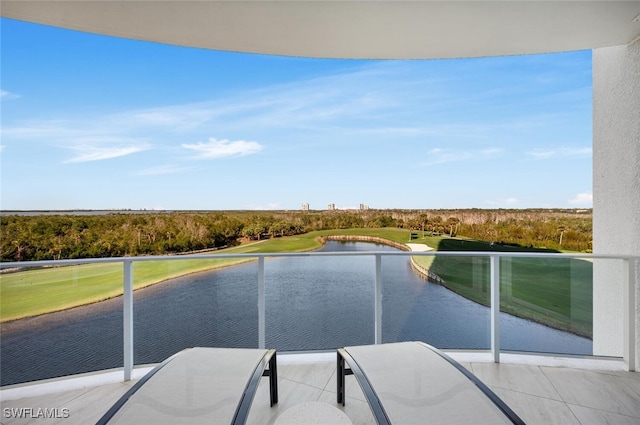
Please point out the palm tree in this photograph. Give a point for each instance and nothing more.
(423, 219)
(453, 221)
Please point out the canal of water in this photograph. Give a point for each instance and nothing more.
(312, 303)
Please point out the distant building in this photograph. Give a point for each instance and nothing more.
(364, 206)
(305, 206)
(331, 207)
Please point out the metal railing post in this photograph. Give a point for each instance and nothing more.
(261, 305)
(629, 312)
(495, 307)
(378, 300)
(127, 310)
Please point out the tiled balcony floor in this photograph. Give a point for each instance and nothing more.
(541, 390)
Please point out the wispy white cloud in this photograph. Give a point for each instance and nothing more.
(88, 152)
(5, 95)
(181, 117)
(214, 149)
(46, 129)
(582, 199)
(358, 93)
(561, 152)
(442, 156)
(366, 108)
(378, 99)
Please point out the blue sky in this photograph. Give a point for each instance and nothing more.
(94, 122)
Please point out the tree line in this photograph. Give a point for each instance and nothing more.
(68, 236)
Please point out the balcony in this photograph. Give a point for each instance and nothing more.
(540, 389)
(592, 390)
(542, 380)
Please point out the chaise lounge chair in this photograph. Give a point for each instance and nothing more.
(198, 386)
(414, 383)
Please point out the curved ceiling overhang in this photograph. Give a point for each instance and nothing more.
(350, 29)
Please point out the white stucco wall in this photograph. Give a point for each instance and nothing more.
(616, 188)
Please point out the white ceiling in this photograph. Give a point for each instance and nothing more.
(350, 29)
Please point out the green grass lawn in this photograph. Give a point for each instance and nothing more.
(553, 291)
(32, 292)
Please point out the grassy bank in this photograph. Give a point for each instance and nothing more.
(33, 292)
(549, 291)
(39, 291)
(553, 291)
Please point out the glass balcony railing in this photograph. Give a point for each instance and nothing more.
(492, 301)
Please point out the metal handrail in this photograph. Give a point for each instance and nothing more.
(45, 263)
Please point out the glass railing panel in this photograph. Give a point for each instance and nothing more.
(441, 300)
(319, 303)
(53, 343)
(546, 305)
(194, 303)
